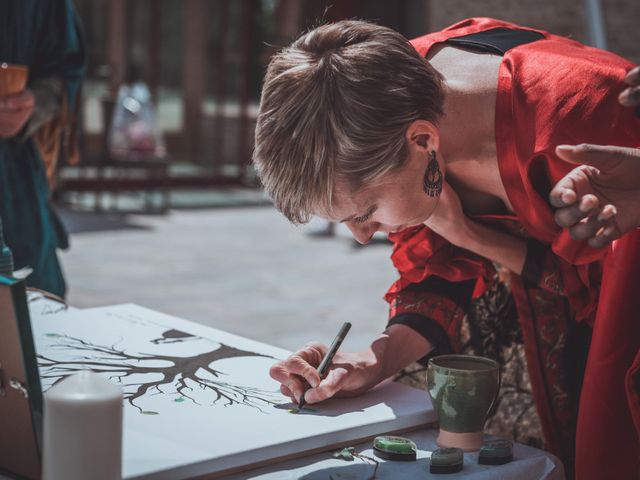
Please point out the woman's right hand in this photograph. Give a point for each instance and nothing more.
(15, 111)
(350, 374)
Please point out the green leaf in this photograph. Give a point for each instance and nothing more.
(149, 412)
(345, 454)
(53, 335)
(179, 400)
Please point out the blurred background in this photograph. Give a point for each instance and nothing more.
(180, 224)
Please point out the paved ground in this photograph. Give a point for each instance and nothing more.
(244, 270)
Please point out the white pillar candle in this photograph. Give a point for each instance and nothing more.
(82, 434)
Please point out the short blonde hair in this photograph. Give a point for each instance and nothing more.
(334, 110)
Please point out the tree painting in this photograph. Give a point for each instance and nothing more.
(142, 374)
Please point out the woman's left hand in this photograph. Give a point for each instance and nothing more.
(448, 219)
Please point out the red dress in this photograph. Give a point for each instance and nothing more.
(551, 91)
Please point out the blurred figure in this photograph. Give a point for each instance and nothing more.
(134, 129)
(44, 37)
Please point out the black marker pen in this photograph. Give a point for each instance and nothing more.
(326, 361)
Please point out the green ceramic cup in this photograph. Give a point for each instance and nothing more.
(463, 389)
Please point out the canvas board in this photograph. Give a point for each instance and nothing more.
(199, 400)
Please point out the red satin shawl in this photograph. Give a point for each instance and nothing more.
(550, 92)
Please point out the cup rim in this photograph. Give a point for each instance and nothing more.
(14, 66)
(491, 364)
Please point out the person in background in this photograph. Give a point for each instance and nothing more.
(44, 36)
(447, 143)
(599, 200)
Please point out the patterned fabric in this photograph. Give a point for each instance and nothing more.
(444, 311)
(528, 329)
(491, 329)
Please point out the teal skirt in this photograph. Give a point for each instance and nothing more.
(32, 229)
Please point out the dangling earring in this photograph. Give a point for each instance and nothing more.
(432, 183)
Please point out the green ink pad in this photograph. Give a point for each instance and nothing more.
(496, 452)
(446, 460)
(394, 448)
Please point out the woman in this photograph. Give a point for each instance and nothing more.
(34, 127)
(448, 144)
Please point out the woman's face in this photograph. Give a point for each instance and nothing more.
(396, 202)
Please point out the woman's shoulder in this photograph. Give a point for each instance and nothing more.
(464, 27)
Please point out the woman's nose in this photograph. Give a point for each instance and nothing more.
(363, 233)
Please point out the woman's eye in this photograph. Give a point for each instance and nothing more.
(362, 219)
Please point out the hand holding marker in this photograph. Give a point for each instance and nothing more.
(326, 361)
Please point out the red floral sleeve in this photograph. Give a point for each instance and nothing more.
(437, 281)
(434, 308)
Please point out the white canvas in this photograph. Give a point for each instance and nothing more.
(199, 400)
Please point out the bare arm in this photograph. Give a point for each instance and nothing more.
(449, 221)
(500, 247)
(398, 347)
(350, 373)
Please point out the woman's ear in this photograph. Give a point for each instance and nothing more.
(423, 136)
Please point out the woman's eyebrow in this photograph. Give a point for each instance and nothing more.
(370, 211)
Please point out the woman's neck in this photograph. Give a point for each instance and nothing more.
(467, 130)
